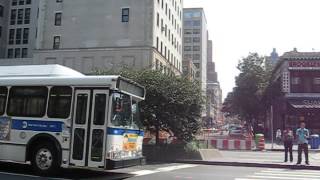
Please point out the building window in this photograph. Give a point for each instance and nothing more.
(21, 2)
(20, 16)
(197, 65)
(196, 23)
(11, 36)
(295, 80)
(316, 81)
(188, 31)
(196, 48)
(125, 15)
(18, 36)
(14, 2)
(24, 53)
(166, 11)
(10, 53)
(187, 23)
(196, 39)
(17, 53)
(1, 11)
(28, 1)
(161, 47)
(187, 48)
(27, 13)
(59, 1)
(157, 45)
(196, 31)
(57, 19)
(0, 31)
(187, 40)
(13, 17)
(196, 56)
(56, 42)
(25, 35)
(158, 19)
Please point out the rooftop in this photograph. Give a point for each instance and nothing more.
(295, 55)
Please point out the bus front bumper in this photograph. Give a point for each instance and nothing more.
(116, 164)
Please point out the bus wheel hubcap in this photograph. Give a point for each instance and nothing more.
(44, 159)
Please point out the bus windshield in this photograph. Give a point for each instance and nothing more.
(121, 110)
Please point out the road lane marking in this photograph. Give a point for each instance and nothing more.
(172, 168)
(30, 176)
(287, 178)
(289, 174)
(143, 172)
(163, 169)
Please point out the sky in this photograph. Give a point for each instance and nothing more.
(238, 27)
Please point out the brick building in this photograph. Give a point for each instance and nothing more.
(298, 74)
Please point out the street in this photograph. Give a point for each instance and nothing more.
(10, 171)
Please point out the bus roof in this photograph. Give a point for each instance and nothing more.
(57, 75)
(38, 71)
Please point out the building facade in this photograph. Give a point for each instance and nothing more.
(298, 76)
(189, 69)
(214, 92)
(117, 33)
(195, 39)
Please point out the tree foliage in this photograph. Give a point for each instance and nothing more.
(172, 104)
(247, 99)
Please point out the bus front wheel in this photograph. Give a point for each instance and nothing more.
(45, 159)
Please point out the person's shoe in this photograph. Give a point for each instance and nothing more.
(307, 163)
(298, 164)
(285, 161)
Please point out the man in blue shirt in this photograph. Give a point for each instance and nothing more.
(302, 136)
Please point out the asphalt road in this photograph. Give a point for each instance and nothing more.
(9, 171)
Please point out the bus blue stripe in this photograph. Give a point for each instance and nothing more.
(34, 125)
(119, 131)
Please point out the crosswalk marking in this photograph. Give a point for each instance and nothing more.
(162, 169)
(282, 174)
(300, 173)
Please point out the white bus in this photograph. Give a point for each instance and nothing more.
(53, 116)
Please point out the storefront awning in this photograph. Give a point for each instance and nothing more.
(305, 103)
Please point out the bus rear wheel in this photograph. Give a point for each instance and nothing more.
(45, 159)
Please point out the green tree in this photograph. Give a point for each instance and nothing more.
(247, 99)
(172, 104)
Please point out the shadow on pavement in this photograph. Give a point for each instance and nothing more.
(71, 173)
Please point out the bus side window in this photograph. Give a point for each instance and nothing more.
(27, 101)
(3, 99)
(60, 102)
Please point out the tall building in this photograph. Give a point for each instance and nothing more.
(86, 35)
(195, 41)
(214, 92)
(272, 60)
(4, 11)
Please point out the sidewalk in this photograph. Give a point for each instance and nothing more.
(276, 147)
(270, 159)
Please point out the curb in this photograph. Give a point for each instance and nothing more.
(294, 150)
(244, 164)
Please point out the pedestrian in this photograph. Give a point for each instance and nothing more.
(278, 136)
(288, 143)
(302, 136)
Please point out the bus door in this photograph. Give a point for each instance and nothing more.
(88, 143)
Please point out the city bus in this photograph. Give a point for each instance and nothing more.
(52, 116)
